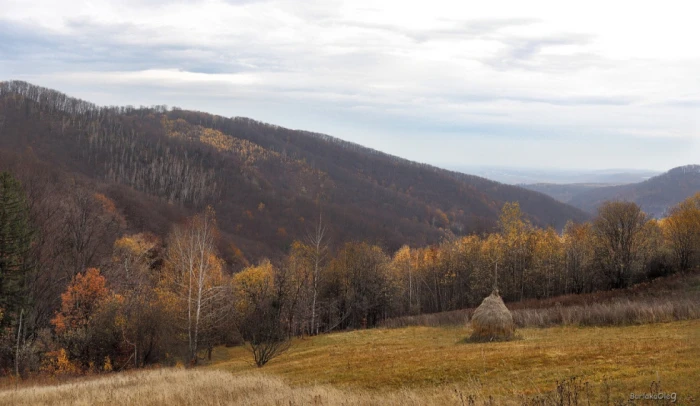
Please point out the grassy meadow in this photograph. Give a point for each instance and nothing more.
(414, 366)
(625, 358)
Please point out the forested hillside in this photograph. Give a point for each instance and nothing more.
(655, 195)
(265, 182)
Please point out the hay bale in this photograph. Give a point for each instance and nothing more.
(492, 320)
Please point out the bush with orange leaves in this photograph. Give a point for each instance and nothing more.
(87, 327)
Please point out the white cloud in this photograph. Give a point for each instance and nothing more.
(531, 71)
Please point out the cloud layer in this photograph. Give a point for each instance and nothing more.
(540, 84)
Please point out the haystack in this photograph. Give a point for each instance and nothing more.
(492, 320)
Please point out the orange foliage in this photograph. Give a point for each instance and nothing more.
(81, 299)
(238, 256)
(107, 203)
(109, 207)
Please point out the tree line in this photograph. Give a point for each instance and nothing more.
(80, 291)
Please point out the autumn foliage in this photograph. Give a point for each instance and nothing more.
(80, 301)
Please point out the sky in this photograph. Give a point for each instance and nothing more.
(531, 84)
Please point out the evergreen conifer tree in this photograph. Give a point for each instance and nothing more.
(15, 244)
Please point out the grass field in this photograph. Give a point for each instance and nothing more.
(414, 366)
(627, 358)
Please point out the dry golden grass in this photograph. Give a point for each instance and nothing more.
(629, 358)
(206, 387)
(412, 366)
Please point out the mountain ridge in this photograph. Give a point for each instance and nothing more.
(655, 195)
(264, 180)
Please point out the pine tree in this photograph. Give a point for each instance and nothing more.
(15, 245)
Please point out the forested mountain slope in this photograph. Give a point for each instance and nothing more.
(655, 195)
(267, 184)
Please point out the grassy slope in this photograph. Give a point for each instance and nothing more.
(410, 366)
(629, 358)
(205, 387)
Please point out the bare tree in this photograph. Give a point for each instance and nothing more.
(265, 333)
(319, 244)
(89, 231)
(197, 276)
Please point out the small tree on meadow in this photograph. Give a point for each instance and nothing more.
(258, 306)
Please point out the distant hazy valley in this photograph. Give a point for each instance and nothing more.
(527, 176)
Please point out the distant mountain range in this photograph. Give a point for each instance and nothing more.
(654, 195)
(519, 176)
(268, 184)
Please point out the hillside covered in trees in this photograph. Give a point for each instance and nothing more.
(265, 182)
(655, 195)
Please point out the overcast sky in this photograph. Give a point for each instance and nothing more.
(612, 84)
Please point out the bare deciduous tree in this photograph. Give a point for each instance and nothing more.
(197, 277)
(319, 244)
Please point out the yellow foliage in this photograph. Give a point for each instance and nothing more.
(248, 152)
(168, 300)
(108, 365)
(682, 230)
(136, 244)
(253, 285)
(216, 139)
(57, 363)
(402, 263)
